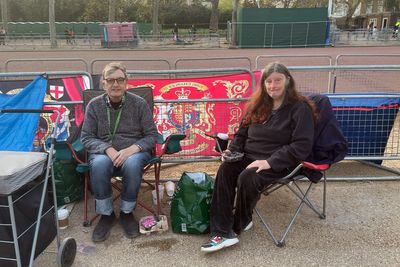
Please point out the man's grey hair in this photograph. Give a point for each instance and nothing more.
(112, 67)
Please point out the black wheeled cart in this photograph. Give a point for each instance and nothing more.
(28, 213)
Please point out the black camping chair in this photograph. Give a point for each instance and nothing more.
(170, 145)
(329, 147)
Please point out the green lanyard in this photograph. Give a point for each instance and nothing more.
(116, 122)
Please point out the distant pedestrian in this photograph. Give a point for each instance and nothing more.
(374, 33)
(396, 30)
(67, 36)
(175, 32)
(193, 31)
(370, 27)
(72, 36)
(86, 34)
(2, 36)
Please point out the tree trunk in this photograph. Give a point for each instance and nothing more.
(234, 21)
(111, 10)
(155, 17)
(351, 8)
(4, 14)
(214, 16)
(52, 24)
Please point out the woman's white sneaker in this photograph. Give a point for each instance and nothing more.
(217, 242)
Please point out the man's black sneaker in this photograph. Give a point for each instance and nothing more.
(103, 227)
(129, 224)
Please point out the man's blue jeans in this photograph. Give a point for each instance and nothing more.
(101, 172)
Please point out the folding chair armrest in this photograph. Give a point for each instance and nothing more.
(172, 143)
(315, 167)
(160, 139)
(154, 160)
(82, 167)
(73, 150)
(212, 135)
(221, 140)
(216, 135)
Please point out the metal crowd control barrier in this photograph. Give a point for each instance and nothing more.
(361, 78)
(367, 59)
(197, 71)
(372, 130)
(216, 60)
(347, 78)
(43, 60)
(358, 123)
(380, 120)
(292, 60)
(296, 60)
(49, 74)
(136, 61)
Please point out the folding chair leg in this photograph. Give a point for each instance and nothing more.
(322, 215)
(264, 222)
(324, 197)
(281, 242)
(86, 222)
(157, 212)
(302, 196)
(157, 169)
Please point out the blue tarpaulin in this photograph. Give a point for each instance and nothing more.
(17, 130)
(366, 122)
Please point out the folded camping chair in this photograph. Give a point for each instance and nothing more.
(329, 147)
(170, 145)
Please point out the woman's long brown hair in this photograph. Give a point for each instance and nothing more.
(260, 104)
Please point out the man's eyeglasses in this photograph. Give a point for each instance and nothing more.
(111, 81)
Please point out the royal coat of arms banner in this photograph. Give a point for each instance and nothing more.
(197, 106)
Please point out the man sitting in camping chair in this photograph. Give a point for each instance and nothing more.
(119, 133)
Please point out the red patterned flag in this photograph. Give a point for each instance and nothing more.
(205, 115)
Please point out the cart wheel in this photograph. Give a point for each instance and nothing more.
(66, 252)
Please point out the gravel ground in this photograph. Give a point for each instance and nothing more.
(361, 229)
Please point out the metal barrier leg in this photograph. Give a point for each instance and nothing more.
(14, 231)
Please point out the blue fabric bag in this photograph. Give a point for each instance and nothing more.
(17, 130)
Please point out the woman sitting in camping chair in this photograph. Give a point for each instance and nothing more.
(275, 135)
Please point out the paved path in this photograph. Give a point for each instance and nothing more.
(171, 55)
(361, 229)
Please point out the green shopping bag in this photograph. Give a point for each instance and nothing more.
(190, 206)
(69, 183)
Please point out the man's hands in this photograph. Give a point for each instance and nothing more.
(119, 157)
(259, 165)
